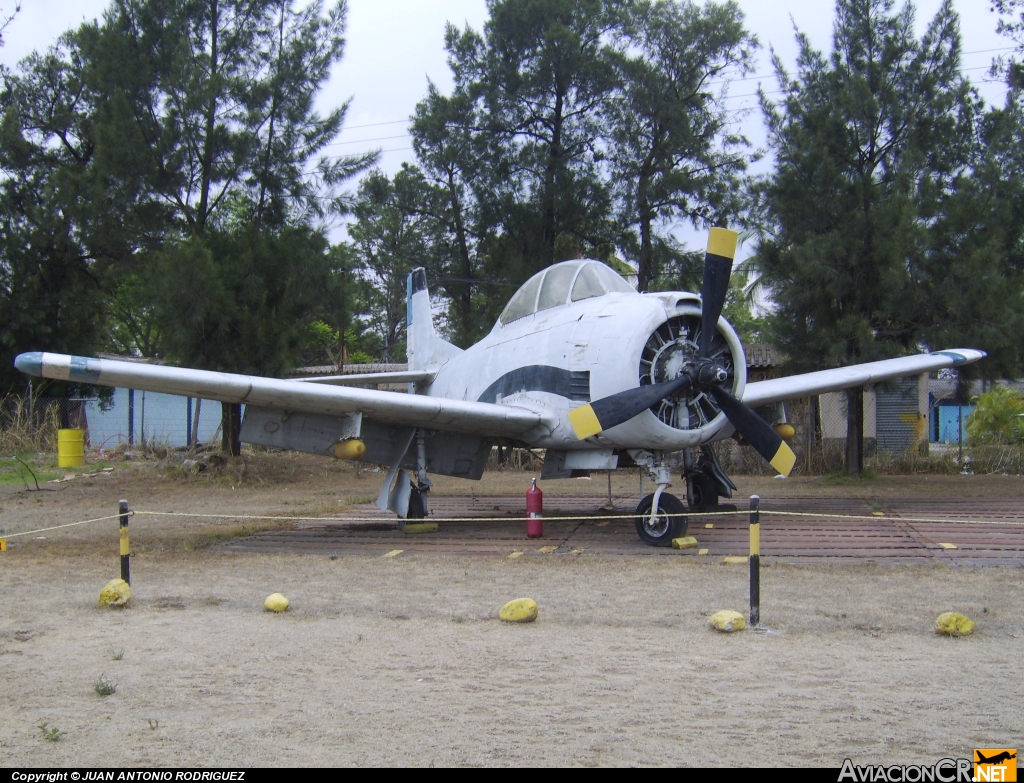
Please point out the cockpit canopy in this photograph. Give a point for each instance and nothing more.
(569, 281)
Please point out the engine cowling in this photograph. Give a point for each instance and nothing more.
(665, 354)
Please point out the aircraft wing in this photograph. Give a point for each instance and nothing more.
(477, 418)
(793, 387)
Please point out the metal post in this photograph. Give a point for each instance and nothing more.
(188, 422)
(131, 417)
(195, 423)
(125, 548)
(960, 435)
(755, 561)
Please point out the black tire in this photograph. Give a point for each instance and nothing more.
(416, 509)
(704, 491)
(670, 523)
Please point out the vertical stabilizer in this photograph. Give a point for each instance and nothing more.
(424, 346)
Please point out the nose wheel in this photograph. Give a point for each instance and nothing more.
(668, 521)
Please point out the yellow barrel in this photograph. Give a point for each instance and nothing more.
(71, 448)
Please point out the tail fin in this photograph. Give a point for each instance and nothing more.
(425, 348)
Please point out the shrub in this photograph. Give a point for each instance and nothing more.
(996, 419)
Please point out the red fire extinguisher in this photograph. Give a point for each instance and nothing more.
(534, 511)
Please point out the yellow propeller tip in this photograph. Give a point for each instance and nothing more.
(722, 242)
(784, 459)
(584, 422)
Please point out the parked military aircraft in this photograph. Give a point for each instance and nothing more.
(578, 364)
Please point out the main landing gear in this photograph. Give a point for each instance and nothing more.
(419, 508)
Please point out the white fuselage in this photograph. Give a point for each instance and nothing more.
(602, 337)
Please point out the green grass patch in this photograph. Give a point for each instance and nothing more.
(13, 471)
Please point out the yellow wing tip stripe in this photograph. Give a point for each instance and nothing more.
(722, 242)
(784, 459)
(584, 422)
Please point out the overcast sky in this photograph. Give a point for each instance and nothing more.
(395, 46)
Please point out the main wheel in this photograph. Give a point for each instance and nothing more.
(704, 492)
(669, 522)
(417, 505)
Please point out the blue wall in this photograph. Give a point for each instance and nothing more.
(947, 417)
(162, 418)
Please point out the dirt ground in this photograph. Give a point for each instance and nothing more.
(402, 661)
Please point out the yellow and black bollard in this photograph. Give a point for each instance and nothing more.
(755, 561)
(125, 548)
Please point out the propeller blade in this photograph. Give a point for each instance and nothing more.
(756, 431)
(717, 270)
(600, 415)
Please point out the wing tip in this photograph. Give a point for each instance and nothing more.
(963, 355)
(30, 363)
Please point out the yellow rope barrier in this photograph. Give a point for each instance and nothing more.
(576, 518)
(58, 527)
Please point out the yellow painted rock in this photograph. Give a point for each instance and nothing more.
(728, 621)
(276, 603)
(521, 610)
(953, 624)
(686, 542)
(116, 592)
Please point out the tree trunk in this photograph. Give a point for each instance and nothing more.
(210, 128)
(231, 428)
(464, 300)
(855, 431)
(549, 217)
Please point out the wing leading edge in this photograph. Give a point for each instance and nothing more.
(478, 418)
(808, 384)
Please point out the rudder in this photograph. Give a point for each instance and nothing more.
(424, 346)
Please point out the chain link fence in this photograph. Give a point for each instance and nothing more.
(905, 431)
(126, 418)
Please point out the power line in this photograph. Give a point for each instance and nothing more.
(717, 81)
(375, 124)
(364, 141)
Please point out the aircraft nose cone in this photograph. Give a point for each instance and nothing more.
(30, 363)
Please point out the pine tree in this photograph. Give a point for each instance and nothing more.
(51, 292)
(671, 152)
(870, 143)
(205, 114)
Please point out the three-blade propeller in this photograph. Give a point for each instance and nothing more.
(700, 374)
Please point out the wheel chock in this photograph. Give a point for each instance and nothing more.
(684, 542)
(420, 527)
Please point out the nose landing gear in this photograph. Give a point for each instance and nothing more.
(666, 522)
(661, 516)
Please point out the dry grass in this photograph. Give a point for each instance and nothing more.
(27, 431)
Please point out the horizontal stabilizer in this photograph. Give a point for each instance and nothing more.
(372, 378)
